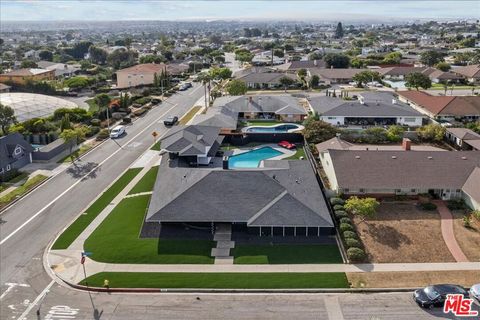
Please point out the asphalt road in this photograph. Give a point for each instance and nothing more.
(31, 224)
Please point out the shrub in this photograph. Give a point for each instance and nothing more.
(139, 112)
(346, 227)
(352, 243)
(476, 214)
(338, 207)
(455, 204)
(340, 214)
(356, 254)
(428, 206)
(103, 134)
(92, 130)
(467, 221)
(335, 201)
(349, 235)
(143, 100)
(346, 220)
(95, 122)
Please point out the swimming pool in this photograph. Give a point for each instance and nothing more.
(279, 128)
(252, 159)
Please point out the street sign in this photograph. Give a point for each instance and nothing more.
(154, 134)
(86, 254)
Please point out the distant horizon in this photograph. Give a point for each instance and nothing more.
(242, 11)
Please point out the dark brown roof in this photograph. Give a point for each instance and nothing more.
(403, 169)
(472, 71)
(443, 105)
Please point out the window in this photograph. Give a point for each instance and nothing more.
(398, 190)
(413, 190)
(17, 151)
(331, 118)
(362, 190)
(346, 190)
(409, 119)
(8, 167)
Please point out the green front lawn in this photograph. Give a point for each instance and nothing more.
(77, 153)
(147, 182)
(77, 227)
(219, 280)
(286, 254)
(21, 190)
(116, 240)
(156, 146)
(300, 153)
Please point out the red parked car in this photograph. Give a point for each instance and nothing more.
(286, 145)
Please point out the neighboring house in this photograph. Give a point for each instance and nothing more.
(266, 80)
(61, 69)
(144, 74)
(448, 108)
(471, 72)
(281, 199)
(197, 144)
(375, 108)
(4, 88)
(463, 138)
(15, 153)
(218, 116)
(294, 66)
(437, 76)
(21, 76)
(280, 107)
(446, 174)
(332, 76)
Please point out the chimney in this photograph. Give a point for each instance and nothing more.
(406, 144)
(394, 101)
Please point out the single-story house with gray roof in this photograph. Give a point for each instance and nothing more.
(274, 200)
(15, 153)
(370, 109)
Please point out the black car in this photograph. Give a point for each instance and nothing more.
(434, 296)
(170, 121)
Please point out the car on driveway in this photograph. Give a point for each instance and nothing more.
(286, 145)
(117, 132)
(475, 292)
(435, 295)
(170, 121)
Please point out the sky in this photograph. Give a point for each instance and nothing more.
(87, 10)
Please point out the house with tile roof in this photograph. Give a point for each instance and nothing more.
(463, 108)
(21, 76)
(470, 72)
(463, 138)
(144, 74)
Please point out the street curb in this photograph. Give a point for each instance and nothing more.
(46, 180)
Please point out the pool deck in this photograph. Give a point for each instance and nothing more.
(285, 152)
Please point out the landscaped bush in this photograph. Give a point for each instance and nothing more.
(340, 214)
(103, 134)
(346, 220)
(476, 214)
(428, 206)
(346, 227)
(143, 100)
(92, 130)
(95, 122)
(352, 243)
(338, 207)
(356, 254)
(349, 235)
(455, 204)
(139, 112)
(335, 201)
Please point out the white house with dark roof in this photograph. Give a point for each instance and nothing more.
(15, 153)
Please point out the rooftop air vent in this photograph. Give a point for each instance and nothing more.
(357, 157)
(464, 158)
(430, 157)
(394, 157)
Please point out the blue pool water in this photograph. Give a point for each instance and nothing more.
(279, 128)
(251, 159)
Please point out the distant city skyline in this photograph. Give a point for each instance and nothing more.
(382, 11)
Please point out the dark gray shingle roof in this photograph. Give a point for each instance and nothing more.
(190, 140)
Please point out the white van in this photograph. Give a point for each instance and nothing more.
(116, 132)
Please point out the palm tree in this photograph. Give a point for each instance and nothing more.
(205, 78)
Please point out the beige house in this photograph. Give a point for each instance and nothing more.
(21, 76)
(143, 74)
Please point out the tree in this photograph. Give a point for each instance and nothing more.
(102, 100)
(45, 55)
(28, 64)
(97, 55)
(278, 53)
(392, 58)
(339, 31)
(431, 132)
(122, 58)
(418, 80)
(286, 82)
(72, 137)
(317, 131)
(65, 123)
(78, 82)
(151, 58)
(243, 55)
(431, 57)
(395, 133)
(79, 49)
(365, 77)
(337, 60)
(7, 117)
(314, 81)
(362, 207)
(220, 73)
(236, 88)
(302, 73)
(443, 66)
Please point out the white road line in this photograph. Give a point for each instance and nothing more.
(195, 90)
(334, 311)
(80, 179)
(10, 287)
(37, 299)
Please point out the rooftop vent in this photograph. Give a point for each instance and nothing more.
(394, 101)
(357, 157)
(394, 157)
(464, 158)
(430, 157)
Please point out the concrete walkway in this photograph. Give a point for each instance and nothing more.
(448, 233)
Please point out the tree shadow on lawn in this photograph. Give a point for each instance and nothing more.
(388, 236)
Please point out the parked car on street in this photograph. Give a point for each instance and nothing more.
(117, 132)
(475, 292)
(286, 145)
(435, 295)
(170, 121)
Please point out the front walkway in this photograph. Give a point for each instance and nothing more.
(448, 233)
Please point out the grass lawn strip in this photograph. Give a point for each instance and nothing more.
(189, 115)
(77, 227)
(300, 153)
(219, 280)
(77, 153)
(286, 254)
(92, 105)
(21, 190)
(146, 182)
(116, 240)
(156, 146)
